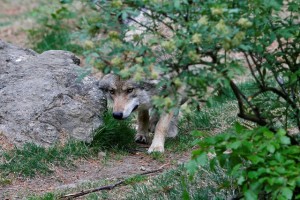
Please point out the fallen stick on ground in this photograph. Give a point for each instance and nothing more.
(107, 187)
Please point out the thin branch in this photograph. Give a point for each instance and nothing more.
(257, 119)
(147, 27)
(251, 69)
(108, 187)
(279, 82)
(258, 66)
(82, 193)
(159, 20)
(280, 44)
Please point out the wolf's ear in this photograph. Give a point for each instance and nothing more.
(105, 83)
(102, 85)
(146, 85)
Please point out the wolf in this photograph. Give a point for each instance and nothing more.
(128, 96)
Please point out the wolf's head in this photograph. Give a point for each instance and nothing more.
(126, 95)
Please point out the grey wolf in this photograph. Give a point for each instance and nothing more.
(128, 96)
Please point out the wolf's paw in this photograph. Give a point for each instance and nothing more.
(156, 148)
(139, 138)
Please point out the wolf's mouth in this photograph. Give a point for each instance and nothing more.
(135, 107)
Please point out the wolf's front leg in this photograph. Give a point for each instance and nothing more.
(143, 126)
(161, 132)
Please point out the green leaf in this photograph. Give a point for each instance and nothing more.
(281, 132)
(250, 195)
(239, 128)
(202, 159)
(191, 166)
(280, 170)
(279, 157)
(234, 145)
(285, 140)
(268, 134)
(271, 148)
(253, 174)
(255, 159)
(177, 4)
(287, 193)
(197, 133)
(241, 180)
(245, 47)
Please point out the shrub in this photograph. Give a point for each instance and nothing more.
(264, 163)
(204, 45)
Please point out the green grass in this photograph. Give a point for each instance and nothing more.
(60, 39)
(210, 120)
(55, 28)
(135, 179)
(114, 134)
(176, 184)
(47, 196)
(31, 159)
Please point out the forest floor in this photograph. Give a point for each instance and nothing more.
(90, 173)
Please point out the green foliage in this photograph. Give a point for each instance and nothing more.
(197, 41)
(114, 134)
(55, 31)
(32, 159)
(203, 44)
(261, 161)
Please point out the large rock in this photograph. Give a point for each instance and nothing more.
(42, 99)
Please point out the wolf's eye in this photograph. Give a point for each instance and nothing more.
(111, 91)
(129, 90)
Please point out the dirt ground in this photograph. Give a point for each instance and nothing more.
(89, 171)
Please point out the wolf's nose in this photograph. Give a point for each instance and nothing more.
(118, 115)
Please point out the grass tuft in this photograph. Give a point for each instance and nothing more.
(32, 159)
(114, 134)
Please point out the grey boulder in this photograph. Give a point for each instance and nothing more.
(43, 100)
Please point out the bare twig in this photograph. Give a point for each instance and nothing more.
(251, 69)
(108, 187)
